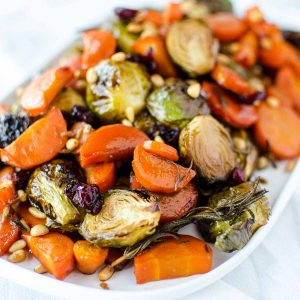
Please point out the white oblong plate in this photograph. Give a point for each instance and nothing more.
(122, 286)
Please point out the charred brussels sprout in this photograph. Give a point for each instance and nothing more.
(235, 233)
(120, 85)
(66, 99)
(192, 46)
(171, 105)
(46, 191)
(125, 218)
(206, 143)
(125, 39)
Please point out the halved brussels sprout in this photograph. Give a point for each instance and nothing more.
(192, 46)
(171, 105)
(206, 143)
(120, 85)
(125, 218)
(125, 39)
(234, 234)
(46, 191)
(66, 99)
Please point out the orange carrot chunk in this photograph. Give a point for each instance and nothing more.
(41, 142)
(277, 92)
(97, 46)
(161, 149)
(103, 175)
(134, 183)
(8, 235)
(42, 90)
(110, 143)
(226, 109)
(277, 130)
(89, 257)
(172, 259)
(152, 16)
(225, 26)
(155, 44)
(172, 13)
(159, 175)
(7, 189)
(54, 251)
(28, 217)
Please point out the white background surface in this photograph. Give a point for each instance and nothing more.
(31, 30)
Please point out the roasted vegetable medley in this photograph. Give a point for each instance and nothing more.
(142, 129)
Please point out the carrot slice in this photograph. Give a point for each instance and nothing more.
(276, 92)
(39, 143)
(159, 175)
(277, 129)
(43, 89)
(54, 251)
(7, 189)
(110, 143)
(156, 44)
(29, 218)
(103, 175)
(89, 257)
(152, 16)
(248, 48)
(162, 150)
(231, 80)
(289, 84)
(8, 235)
(224, 107)
(172, 13)
(97, 46)
(173, 258)
(225, 26)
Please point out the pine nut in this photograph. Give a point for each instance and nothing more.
(234, 47)
(134, 27)
(118, 57)
(262, 163)
(106, 273)
(17, 245)
(224, 59)
(149, 29)
(5, 212)
(157, 80)
(80, 84)
(194, 90)
(129, 112)
(23, 222)
(18, 256)
(22, 195)
(91, 76)
(72, 144)
(266, 43)
(239, 143)
(159, 139)
(272, 101)
(39, 230)
(36, 213)
(126, 122)
(40, 269)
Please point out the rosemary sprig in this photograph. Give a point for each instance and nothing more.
(224, 211)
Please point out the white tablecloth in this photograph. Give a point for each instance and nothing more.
(40, 27)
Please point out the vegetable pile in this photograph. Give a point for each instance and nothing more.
(144, 129)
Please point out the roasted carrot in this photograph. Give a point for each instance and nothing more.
(43, 89)
(231, 80)
(103, 175)
(157, 174)
(156, 46)
(277, 130)
(28, 217)
(39, 143)
(173, 258)
(247, 50)
(225, 26)
(161, 149)
(134, 183)
(8, 235)
(89, 257)
(54, 251)
(173, 206)
(7, 189)
(289, 84)
(97, 45)
(110, 143)
(172, 13)
(152, 16)
(224, 107)
(276, 92)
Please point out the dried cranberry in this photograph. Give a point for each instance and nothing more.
(237, 176)
(169, 135)
(83, 114)
(21, 178)
(85, 196)
(125, 14)
(146, 60)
